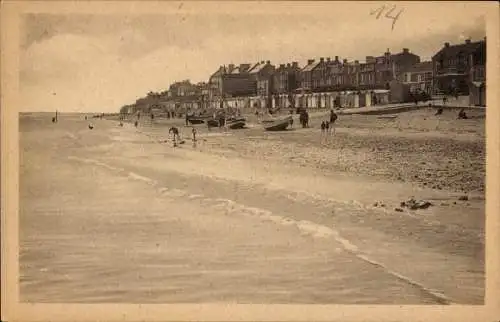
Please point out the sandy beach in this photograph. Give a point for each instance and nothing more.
(117, 214)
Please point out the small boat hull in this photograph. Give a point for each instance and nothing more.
(277, 124)
(212, 123)
(196, 121)
(236, 124)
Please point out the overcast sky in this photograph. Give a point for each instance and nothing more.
(99, 62)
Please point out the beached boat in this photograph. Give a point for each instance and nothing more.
(197, 119)
(236, 123)
(277, 124)
(232, 122)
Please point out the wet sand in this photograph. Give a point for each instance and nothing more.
(117, 215)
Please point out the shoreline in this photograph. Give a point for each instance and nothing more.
(416, 147)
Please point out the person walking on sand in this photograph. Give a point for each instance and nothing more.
(327, 129)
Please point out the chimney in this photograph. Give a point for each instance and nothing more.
(268, 62)
(356, 62)
(231, 67)
(262, 62)
(288, 65)
(345, 61)
(467, 41)
(310, 61)
(336, 58)
(295, 64)
(328, 59)
(283, 65)
(322, 59)
(406, 50)
(447, 44)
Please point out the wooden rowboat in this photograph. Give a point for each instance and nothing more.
(236, 123)
(277, 124)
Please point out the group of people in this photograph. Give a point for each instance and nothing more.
(176, 137)
(328, 126)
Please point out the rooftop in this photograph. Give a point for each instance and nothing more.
(311, 66)
(467, 47)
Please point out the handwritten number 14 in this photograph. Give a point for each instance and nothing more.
(380, 10)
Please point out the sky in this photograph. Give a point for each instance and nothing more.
(83, 62)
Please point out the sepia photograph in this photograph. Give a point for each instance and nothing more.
(269, 153)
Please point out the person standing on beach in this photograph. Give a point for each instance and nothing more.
(323, 127)
(193, 132)
(333, 119)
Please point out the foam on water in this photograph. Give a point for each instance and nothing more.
(305, 227)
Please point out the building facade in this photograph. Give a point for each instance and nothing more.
(418, 77)
(455, 66)
(231, 81)
(388, 66)
(286, 78)
(262, 73)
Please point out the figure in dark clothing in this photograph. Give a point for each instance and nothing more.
(193, 132)
(462, 115)
(444, 100)
(323, 127)
(307, 119)
(302, 118)
(187, 119)
(136, 123)
(333, 119)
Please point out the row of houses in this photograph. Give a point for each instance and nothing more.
(458, 69)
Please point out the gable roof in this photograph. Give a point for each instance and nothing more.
(311, 66)
(257, 68)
